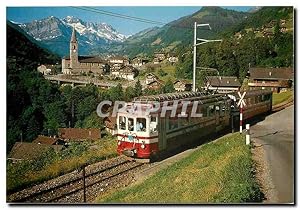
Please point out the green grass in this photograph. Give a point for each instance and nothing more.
(51, 165)
(219, 172)
(281, 97)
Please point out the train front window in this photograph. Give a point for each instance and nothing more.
(153, 124)
(141, 124)
(122, 123)
(130, 124)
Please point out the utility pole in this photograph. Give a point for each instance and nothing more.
(203, 41)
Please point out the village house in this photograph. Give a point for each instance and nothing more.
(158, 57)
(30, 151)
(155, 85)
(127, 72)
(137, 61)
(75, 64)
(150, 77)
(172, 58)
(182, 85)
(118, 60)
(222, 84)
(47, 69)
(275, 79)
(111, 125)
(48, 140)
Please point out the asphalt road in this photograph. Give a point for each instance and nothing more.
(276, 135)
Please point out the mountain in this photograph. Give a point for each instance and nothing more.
(180, 32)
(27, 90)
(262, 17)
(55, 34)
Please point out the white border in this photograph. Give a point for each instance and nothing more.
(6, 3)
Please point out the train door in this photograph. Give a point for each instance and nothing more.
(162, 137)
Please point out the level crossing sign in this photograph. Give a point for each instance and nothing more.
(241, 102)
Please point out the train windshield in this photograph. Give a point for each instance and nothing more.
(141, 124)
(130, 124)
(122, 123)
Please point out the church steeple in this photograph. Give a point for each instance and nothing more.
(73, 38)
(73, 50)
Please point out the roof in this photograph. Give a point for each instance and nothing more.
(87, 59)
(185, 82)
(30, 151)
(45, 140)
(223, 81)
(272, 73)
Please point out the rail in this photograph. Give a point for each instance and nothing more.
(73, 186)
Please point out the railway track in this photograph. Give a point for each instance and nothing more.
(73, 190)
(283, 105)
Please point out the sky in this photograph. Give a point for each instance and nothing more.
(124, 26)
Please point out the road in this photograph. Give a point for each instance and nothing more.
(276, 135)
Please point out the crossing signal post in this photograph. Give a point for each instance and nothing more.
(241, 104)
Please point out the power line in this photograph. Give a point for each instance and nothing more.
(118, 15)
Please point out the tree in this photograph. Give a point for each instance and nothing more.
(129, 93)
(84, 109)
(168, 87)
(92, 121)
(138, 89)
(116, 93)
(55, 116)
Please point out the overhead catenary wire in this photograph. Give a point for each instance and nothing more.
(138, 19)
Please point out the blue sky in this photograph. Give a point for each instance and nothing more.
(124, 26)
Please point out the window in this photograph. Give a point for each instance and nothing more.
(173, 123)
(130, 124)
(211, 110)
(122, 123)
(204, 111)
(141, 124)
(153, 124)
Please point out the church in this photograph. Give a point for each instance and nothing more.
(75, 64)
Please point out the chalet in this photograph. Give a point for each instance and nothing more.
(275, 79)
(155, 85)
(182, 85)
(222, 84)
(150, 78)
(126, 72)
(110, 124)
(172, 58)
(139, 61)
(31, 151)
(159, 56)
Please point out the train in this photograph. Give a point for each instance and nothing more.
(150, 126)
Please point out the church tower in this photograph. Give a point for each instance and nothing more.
(73, 50)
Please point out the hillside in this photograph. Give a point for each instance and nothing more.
(262, 17)
(27, 90)
(180, 32)
(263, 39)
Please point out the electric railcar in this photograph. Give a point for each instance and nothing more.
(144, 135)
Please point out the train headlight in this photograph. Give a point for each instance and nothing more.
(143, 145)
